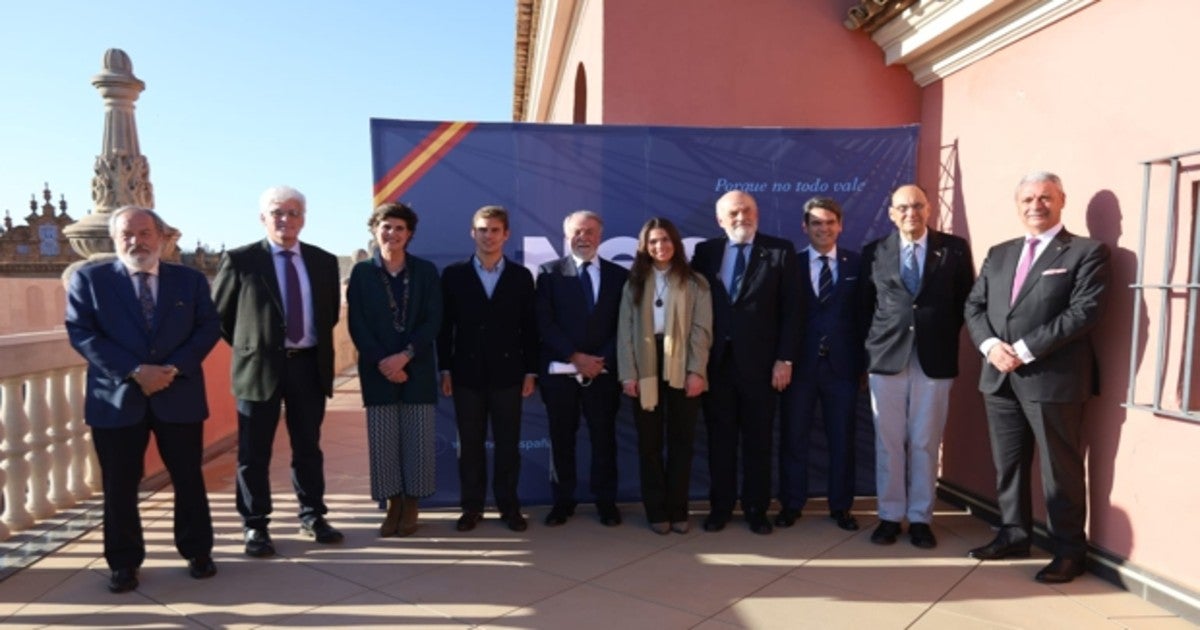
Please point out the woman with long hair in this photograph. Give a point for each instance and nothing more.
(663, 337)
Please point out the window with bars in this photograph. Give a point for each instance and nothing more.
(1164, 377)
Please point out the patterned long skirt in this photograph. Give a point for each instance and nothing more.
(401, 441)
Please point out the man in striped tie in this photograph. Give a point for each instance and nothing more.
(828, 369)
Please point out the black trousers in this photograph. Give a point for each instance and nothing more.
(122, 452)
(665, 483)
(565, 400)
(739, 410)
(303, 396)
(473, 407)
(1014, 427)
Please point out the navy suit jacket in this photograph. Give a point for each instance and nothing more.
(761, 320)
(1054, 314)
(106, 326)
(563, 321)
(488, 342)
(933, 316)
(833, 323)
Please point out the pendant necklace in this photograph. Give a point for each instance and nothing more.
(658, 295)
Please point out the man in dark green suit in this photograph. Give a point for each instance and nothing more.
(278, 300)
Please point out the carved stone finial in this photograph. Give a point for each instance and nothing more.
(122, 174)
(62, 204)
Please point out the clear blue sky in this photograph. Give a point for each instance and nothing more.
(240, 96)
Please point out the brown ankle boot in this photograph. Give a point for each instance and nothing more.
(391, 523)
(408, 519)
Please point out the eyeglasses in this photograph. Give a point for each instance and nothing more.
(279, 213)
(905, 207)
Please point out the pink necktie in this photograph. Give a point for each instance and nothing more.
(1023, 270)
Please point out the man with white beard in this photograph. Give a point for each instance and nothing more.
(145, 326)
(755, 297)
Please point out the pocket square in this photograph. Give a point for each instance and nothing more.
(1054, 272)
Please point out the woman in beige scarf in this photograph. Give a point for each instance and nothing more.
(664, 333)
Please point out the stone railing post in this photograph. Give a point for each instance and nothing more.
(80, 445)
(16, 470)
(60, 436)
(36, 410)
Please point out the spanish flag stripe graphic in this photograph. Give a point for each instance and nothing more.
(418, 161)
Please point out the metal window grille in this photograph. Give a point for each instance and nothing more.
(1171, 185)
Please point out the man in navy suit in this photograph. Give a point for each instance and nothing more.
(915, 282)
(278, 300)
(578, 297)
(828, 369)
(1031, 314)
(145, 326)
(755, 300)
(487, 350)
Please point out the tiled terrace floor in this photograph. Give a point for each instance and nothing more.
(578, 576)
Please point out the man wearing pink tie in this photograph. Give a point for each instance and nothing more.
(1031, 314)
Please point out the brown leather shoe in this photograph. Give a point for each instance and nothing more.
(391, 522)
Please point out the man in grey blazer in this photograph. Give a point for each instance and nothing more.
(279, 299)
(1031, 314)
(915, 283)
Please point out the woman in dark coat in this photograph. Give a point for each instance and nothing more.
(394, 304)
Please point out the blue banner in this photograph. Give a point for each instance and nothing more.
(446, 170)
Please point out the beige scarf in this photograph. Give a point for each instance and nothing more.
(676, 326)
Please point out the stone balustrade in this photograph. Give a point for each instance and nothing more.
(48, 463)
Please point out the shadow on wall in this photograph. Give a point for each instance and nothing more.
(1110, 525)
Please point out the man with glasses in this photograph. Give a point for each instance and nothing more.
(279, 300)
(915, 283)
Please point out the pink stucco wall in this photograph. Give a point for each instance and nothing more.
(1088, 98)
(768, 63)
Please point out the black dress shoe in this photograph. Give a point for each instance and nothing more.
(787, 517)
(758, 523)
(885, 533)
(1001, 547)
(202, 567)
(258, 543)
(122, 580)
(514, 521)
(321, 531)
(715, 521)
(845, 520)
(558, 515)
(1060, 570)
(468, 521)
(610, 516)
(921, 535)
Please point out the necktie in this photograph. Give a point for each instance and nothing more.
(739, 270)
(824, 280)
(1023, 270)
(911, 273)
(293, 305)
(589, 291)
(146, 298)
